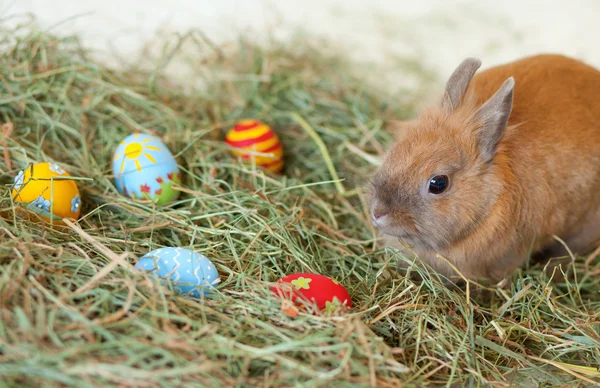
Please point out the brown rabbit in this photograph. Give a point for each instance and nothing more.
(509, 159)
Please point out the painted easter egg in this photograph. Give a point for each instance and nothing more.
(255, 136)
(144, 168)
(327, 293)
(190, 272)
(42, 192)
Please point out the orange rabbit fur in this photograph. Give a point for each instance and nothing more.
(509, 159)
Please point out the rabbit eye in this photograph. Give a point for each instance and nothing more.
(438, 184)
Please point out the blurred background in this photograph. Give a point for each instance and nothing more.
(435, 33)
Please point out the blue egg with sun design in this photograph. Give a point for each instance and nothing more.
(144, 168)
(189, 272)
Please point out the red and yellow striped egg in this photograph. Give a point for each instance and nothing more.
(253, 135)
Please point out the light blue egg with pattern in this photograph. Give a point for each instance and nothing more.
(190, 272)
(145, 168)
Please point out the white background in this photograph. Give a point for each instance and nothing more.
(436, 32)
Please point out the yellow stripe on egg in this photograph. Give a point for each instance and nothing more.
(248, 134)
(265, 145)
(275, 167)
(246, 122)
(260, 159)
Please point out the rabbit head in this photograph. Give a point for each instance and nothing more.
(439, 181)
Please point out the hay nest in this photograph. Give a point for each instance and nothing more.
(72, 311)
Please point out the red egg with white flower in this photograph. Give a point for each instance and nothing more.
(306, 288)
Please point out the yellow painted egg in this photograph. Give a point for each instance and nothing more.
(42, 192)
(255, 136)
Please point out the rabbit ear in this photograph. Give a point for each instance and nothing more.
(459, 82)
(493, 116)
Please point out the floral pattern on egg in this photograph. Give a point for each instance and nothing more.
(56, 168)
(19, 180)
(301, 283)
(327, 293)
(41, 203)
(144, 168)
(75, 203)
(187, 269)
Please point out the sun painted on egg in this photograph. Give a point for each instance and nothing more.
(134, 150)
(145, 168)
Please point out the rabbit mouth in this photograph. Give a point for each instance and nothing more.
(392, 231)
(388, 226)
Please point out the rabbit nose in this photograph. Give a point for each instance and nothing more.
(379, 214)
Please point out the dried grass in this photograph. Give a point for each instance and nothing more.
(73, 313)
